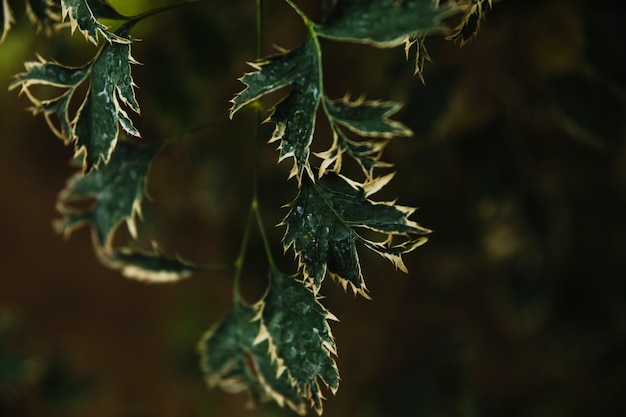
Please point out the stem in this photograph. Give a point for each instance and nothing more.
(266, 242)
(257, 110)
(239, 262)
(304, 17)
(196, 129)
(254, 212)
(259, 29)
(157, 10)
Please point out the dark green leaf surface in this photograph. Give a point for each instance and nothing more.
(117, 189)
(322, 226)
(300, 339)
(228, 351)
(384, 23)
(83, 14)
(147, 266)
(96, 129)
(6, 19)
(295, 115)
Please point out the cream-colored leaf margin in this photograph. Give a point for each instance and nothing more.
(8, 19)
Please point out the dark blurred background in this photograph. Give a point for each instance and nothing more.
(515, 307)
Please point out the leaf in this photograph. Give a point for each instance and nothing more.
(95, 126)
(387, 23)
(116, 190)
(44, 14)
(230, 359)
(153, 267)
(294, 116)
(6, 19)
(300, 339)
(366, 118)
(83, 15)
(470, 25)
(17, 370)
(323, 223)
(384, 23)
(97, 121)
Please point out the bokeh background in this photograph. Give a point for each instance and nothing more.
(515, 307)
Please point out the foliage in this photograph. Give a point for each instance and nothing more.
(47, 383)
(282, 347)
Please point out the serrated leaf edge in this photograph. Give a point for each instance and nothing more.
(280, 363)
(67, 15)
(472, 10)
(143, 275)
(394, 107)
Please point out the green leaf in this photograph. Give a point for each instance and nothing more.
(6, 19)
(366, 118)
(300, 339)
(52, 74)
(294, 116)
(97, 121)
(323, 227)
(116, 190)
(44, 14)
(230, 359)
(83, 15)
(389, 23)
(95, 126)
(384, 23)
(153, 267)
(43, 73)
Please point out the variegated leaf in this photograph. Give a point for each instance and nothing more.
(387, 23)
(470, 25)
(366, 118)
(300, 340)
(44, 14)
(231, 360)
(295, 115)
(83, 15)
(148, 266)
(117, 190)
(95, 126)
(323, 227)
